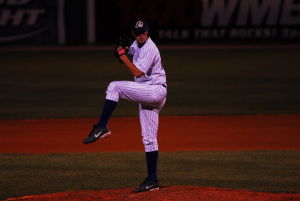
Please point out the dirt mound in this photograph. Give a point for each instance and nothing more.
(172, 193)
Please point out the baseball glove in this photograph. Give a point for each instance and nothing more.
(121, 45)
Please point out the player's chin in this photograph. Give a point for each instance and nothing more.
(141, 41)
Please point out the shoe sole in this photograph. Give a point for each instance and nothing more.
(154, 189)
(105, 135)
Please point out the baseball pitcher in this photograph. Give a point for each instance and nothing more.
(149, 90)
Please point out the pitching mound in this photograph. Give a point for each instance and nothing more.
(172, 193)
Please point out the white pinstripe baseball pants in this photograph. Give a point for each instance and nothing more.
(151, 99)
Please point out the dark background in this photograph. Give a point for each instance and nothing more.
(266, 21)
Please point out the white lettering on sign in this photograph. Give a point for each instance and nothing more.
(245, 33)
(209, 33)
(250, 12)
(218, 11)
(268, 9)
(173, 34)
(289, 33)
(15, 15)
(290, 13)
(20, 17)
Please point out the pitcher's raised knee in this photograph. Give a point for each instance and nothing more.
(112, 92)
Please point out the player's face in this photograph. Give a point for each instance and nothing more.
(141, 39)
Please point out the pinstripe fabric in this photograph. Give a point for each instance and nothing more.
(151, 95)
(148, 91)
(148, 60)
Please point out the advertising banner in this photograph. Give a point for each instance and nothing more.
(28, 22)
(99, 22)
(207, 20)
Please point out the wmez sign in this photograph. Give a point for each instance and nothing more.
(26, 21)
(235, 19)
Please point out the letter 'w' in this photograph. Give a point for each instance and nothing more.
(218, 11)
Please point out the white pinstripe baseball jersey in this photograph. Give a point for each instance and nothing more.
(148, 60)
(149, 90)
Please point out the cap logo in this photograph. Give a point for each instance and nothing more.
(139, 24)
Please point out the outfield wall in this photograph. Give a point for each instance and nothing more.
(98, 22)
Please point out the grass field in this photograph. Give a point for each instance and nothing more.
(68, 84)
(27, 174)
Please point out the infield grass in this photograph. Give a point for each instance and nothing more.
(27, 174)
(72, 84)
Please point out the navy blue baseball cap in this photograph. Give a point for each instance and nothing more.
(139, 26)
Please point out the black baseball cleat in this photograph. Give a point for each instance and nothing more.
(147, 185)
(97, 133)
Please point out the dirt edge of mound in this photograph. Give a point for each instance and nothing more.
(174, 193)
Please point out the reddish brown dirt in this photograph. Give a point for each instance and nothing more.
(173, 193)
(257, 132)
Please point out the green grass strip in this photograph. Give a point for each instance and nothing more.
(72, 84)
(27, 174)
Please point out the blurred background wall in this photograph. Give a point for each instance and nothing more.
(98, 22)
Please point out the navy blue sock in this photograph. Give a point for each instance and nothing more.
(108, 108)
(151, 159)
